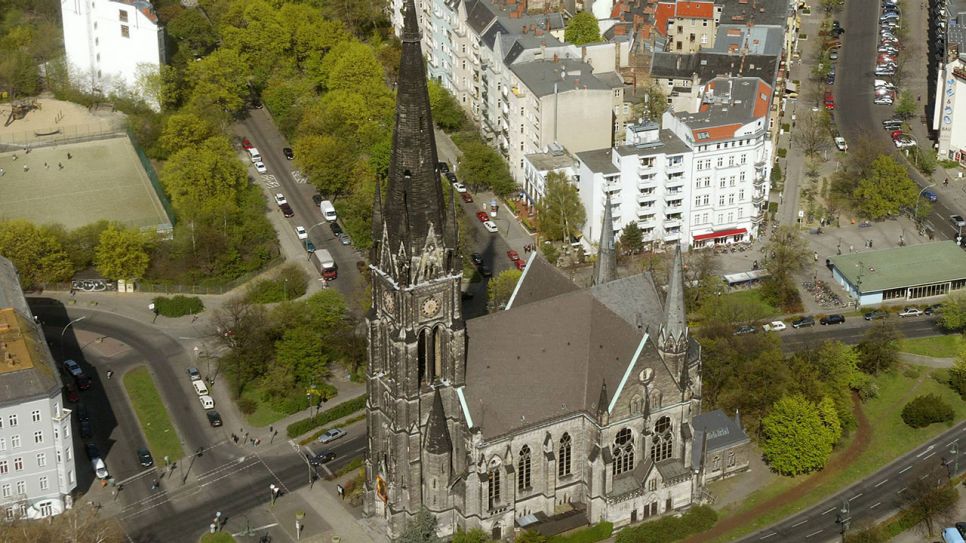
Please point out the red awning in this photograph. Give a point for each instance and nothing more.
(721, 234)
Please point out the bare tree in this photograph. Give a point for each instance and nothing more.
(811, 133)
(82, 524)
(930, 502)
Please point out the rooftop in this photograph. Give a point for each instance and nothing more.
(754, 40)
(491, 19)
(544, 77)
(144, 6)
(719, 429)
(709, 65)
(759, 12)
(667, 144)
(555, 159)
(599, 161)
(908, 266)
(726, 105)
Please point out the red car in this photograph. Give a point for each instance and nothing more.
(71, 393)
(829, 101)
(466, 197)
(483, 216)
(520, 264)
(514, 256)
(246, 145)
(895, 134)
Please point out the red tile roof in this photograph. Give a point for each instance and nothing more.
(762, 99)
(715, 133)
(695, 10)
(665, 10)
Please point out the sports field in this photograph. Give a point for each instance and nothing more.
(79, 183)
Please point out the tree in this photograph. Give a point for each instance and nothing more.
(560, 213)
(885, 190)
(218, 82)
(582, 28)
(183, 130)
(830, 419)
(929, 503)
(906, 107)
(475, 535)
(204, 179)
(748, 375)
(925, 410)
(500, 288)
(122, 253)
(80, 524)
(36, 252)
(653, 105)
(786, 254)
(811, 132)
(952, 314)
(447, 113)
(193, 32)
(796, 440)
(327, 161)
(352, 66)
(836, 364)
(481, 166)
(632, 239)
(531, 536)
(420, 529)
(957, 374)
(300, 353)
(879, 348)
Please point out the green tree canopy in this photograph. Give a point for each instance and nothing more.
(122, 253)
(218, 82)
(500, 288)
(192, 31)
(796, 438)
(36, 252)
(482, 166)
(184, 130)
(953, 313)
(204, 178)
(906, 108)
(447, 113)
(473, 536)
(879, 348)
(327, 161)
(582, 28)
(632, 239)
(885, 190)
(300, 352)
(352, 66)
(560, 213)
(786, 254)
(260, 39)
(420, 529)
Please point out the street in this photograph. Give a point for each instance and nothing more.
(852, 331)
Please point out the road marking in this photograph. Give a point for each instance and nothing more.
(880, 483)
(829, 510)
(245, 533)
(856, 496)
(876, 504)
(929, 448)
(764, 537)
(905, 469)
(800, 523)
(277, 478)
(950, 444)
(901, 490)
(924, 476)
(928, 455)
(813, 533)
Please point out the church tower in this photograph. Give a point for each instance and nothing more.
(672, 342)
(416, 330)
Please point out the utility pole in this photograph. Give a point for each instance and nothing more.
(844, 518)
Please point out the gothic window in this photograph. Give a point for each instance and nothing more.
(429, 355)
(623, 451)
(523, 469)
(656, 395)
(716, 463)
(493, 478)
(663, 440)
(731, 459)
(563, 458)
(438, 352)
(636, 402)
(662, 425)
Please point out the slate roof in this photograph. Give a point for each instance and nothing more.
(721, 430)
(543, 76)
(759, 12)
(709, 65)
(437, 431)
(541, 280)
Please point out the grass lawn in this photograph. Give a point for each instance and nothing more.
(753, 297)
(936, 346)
(890, 438)
(265, 413)
(152, 414)
(217, 537)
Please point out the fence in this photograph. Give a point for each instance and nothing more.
(153, 177)
(13, 141)
(165, 287)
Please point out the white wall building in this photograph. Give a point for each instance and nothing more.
(949, 114)
(112, 44)
(701, 180)
(37, 472)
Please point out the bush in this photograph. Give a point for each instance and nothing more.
(590, 534)
(668, 529)
(926, 410)
(782, 152)
(343, 409)
(247, 405)
(178, 306)
(290, 283)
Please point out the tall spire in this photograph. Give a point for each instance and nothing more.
(602, 401)
(414, 211)
(605, 269)
(437, 431)
(674, 331)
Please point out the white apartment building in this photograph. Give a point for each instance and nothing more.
(37, 470)
(949, 113)
(702, 180)
(112, 45)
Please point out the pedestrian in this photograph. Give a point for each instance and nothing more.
(68, 156)
(154, 484)
(46, 166)
(945, 181)
(258, 441)
(110, 373)
(870, 244)
(816, 256)
(341, 491)
(60, 165)
(851, 248)
(2, 172)
(25, 168)
(15, 157)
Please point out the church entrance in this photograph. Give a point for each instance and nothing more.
(634, 516)
(667, 506)
(497, 533)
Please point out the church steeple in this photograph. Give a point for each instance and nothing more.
(415, 242)
(674, 330)
(605, 269)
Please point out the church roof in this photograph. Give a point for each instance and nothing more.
(548, 358)
(720, 430)
(437, 432)
(541, 280)
(642, 310)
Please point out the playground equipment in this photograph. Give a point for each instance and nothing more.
(19, 109)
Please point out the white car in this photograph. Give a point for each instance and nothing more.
(331, 435)
(883, 84)
(260, 167)
(460, 187)
(280, 199)
(840, 144)
(207, 402)
(904, 142)
(883, 100)
(910, 312)
(200, 387)
(99, 468)
(490, 227)
(73, 367)
(775, 326)
(301, 233)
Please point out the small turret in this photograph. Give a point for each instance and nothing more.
(605, 269)
(672, 342)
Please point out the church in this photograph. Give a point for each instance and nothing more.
(570, 403)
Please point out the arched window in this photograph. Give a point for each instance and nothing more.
(623, 451)
(437, 352)
(662, 425)
(493, 478)
(428, 354)
(563, 457)
(663, 440)
(523, 469)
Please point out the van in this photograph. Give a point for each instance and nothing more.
(254, 155)
(328, 210)
(200, 388)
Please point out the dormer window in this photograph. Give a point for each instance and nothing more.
(703, 135)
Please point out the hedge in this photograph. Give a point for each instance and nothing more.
(178, 306)
(925, 410)
(344, 409)
(668, 529)
(590, 534)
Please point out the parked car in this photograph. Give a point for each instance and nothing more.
(459, 187)
(194, 374)
(451, 177)
(485, 270)
(832, 319)
(829, 100)
(957, 220)
(883, 84)
(910, 312)
(82, 412)
(336, 229)
(73, 367)
(884, 100)
(476, 258)
(466, 197)
(322, 458)
(344, 239)
(200, 388)
(774, 326)
(933, 309)
(92, 451)
(483, 216)
(260, 167)
(309, 246)
(83, 382)
(207, 402)
(331, 435)
(520, 264)
(317, 199)
(287, 210)
(840, 144)
(745, 329)
(289, 154)
(833, 55)
(280, 199)
(802, 322)
(70, 393)
(214, 418)
(301, 233)
(875, 315)
(100, 470)
(442, 167)
(144, 457)
(490, 227)
(904, 142)
(246, 144)
(513, 255)
(930, 195)
(86, 429)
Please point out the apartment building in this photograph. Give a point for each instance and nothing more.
(687, 27)
(949, 112)
(537, 166)
(699, 178)
(682, 77)
(112, 45)
(37, 472)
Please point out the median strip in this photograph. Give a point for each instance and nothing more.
(163, 440)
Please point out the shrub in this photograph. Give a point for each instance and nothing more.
(668, 529)
(178, 306)
(782, 152)
(247, 405)
(926, 410)
(300, 427)
(290, 283)
(589, 534)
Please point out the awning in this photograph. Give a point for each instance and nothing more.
(721, 234)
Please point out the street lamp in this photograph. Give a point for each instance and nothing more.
(64, 331)
(915, 216)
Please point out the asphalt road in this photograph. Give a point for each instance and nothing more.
(874, 496)
(853, 330)
(856, 115)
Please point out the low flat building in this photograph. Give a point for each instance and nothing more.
(915, 272)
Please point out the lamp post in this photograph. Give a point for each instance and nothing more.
(915, 216)
(64, 331)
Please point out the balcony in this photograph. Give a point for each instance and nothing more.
(759, 181)
(673, 204)
(647, 182)
(645, 165)
(759, 218)
(675, 166)
(672, 221)
(645, 200)
(757, 198)
(645, 217)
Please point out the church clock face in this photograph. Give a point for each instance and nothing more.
(430, 307)
(388, 302)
